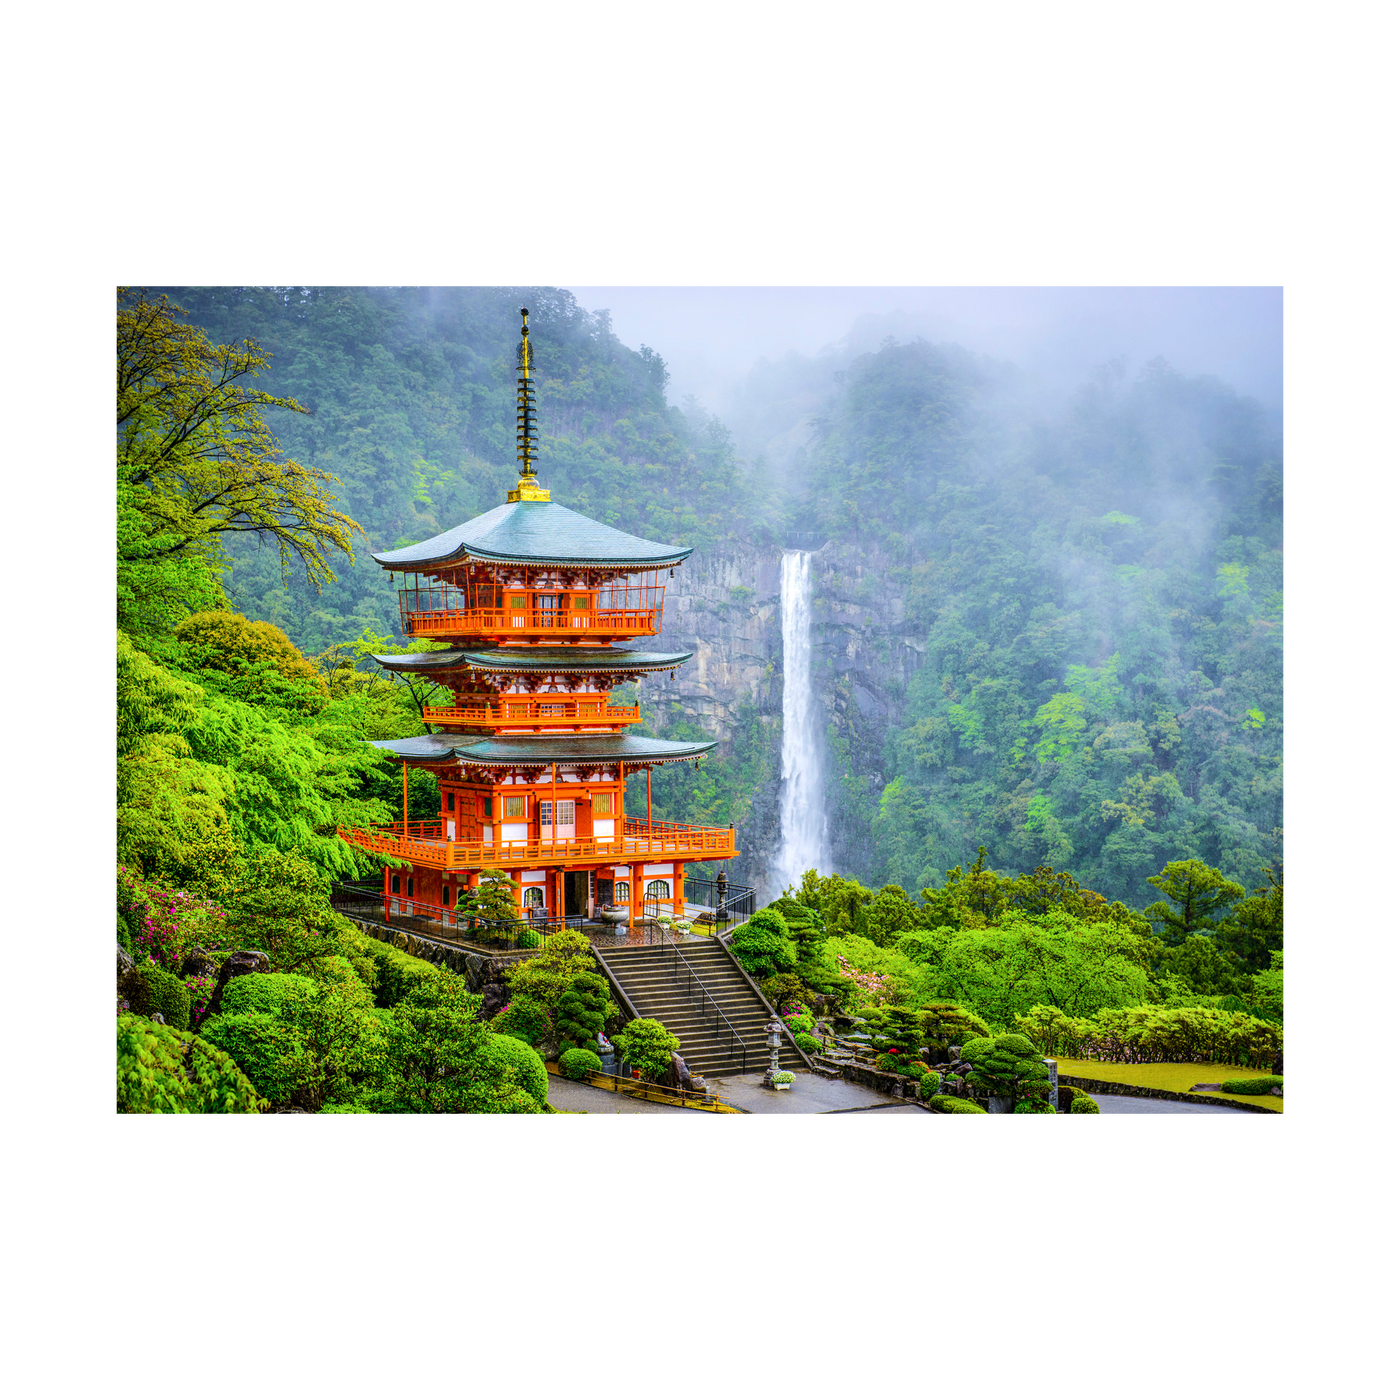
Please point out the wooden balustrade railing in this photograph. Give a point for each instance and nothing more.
(640, 622)
(534, 712)
(424, 844)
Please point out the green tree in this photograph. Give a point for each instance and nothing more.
(647, 1045)
(496, 898)
(1200, 893)
(195, 458)
(1253, 929)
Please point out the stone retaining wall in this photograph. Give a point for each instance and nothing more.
(1141, 1091)
(477, 969)
(897, 1086)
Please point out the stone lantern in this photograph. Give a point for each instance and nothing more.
(774, 1028)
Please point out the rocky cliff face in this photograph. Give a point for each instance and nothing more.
(725, 606)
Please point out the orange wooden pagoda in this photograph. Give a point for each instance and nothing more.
(532, 757)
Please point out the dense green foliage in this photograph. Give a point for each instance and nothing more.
(162, 1070)
(523, 1017)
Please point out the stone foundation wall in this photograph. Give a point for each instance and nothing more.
(477, 969)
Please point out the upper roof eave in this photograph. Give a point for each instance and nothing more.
(535, 532)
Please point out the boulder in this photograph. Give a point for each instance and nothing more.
(679, 1071)
(238, 964)
(122, 966)
(495, 996)
(198, 963)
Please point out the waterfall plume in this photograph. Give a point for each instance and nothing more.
(803, 845)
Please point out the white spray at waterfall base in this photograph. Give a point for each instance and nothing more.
(803, 844)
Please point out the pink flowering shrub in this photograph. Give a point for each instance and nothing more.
(163, 924)
(877, 986)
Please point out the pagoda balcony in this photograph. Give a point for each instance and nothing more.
(423, 843)
(602, 625)
(602, 615)
(533, 714)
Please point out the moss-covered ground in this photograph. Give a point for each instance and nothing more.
(1178, 1078)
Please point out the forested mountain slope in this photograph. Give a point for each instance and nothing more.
(1096, 605)
(411, 393)
(1056, 634)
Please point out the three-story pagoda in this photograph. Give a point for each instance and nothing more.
(531, 758)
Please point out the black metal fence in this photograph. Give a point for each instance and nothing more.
(728, 903)
(416, 916)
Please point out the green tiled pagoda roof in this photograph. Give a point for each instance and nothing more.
(530, 750)
(535, 532)
(538, 660)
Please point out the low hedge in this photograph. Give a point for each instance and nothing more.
(808, 1044)
(579, 1064)
(1263, 1085)
(1073, 1099)
(945, 1103)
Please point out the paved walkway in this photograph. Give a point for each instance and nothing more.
(810, 1093)
(584, 1098)
(1124, 1103)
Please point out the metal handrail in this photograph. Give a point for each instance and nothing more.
(691, 974)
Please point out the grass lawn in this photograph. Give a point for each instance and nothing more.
(1178, 1078)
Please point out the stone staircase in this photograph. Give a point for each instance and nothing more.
(656, 985)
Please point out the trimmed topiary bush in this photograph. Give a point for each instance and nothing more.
(808, 1044)
(582, 1011)
(930, 1085)
(1082, 1103)
(502, 1051)
(945, 1103)
(161, 1070)
(646, 1045)
(1008, 1065)
(263, 993)
(152, 989)
(579, 1064)
(763, 947)
(1252, 1086)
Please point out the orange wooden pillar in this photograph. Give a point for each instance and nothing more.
(678, 890)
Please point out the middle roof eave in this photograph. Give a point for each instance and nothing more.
(531, 751)
(537, 660)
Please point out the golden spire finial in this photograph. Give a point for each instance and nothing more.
(526, 433)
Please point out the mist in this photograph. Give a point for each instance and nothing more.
(762, 359)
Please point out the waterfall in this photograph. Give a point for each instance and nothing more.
(804, 766)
